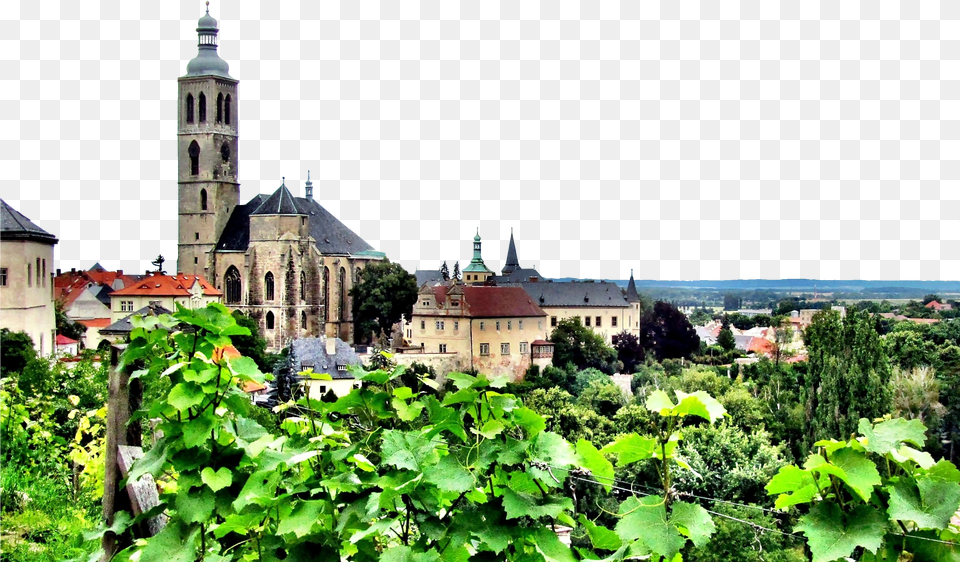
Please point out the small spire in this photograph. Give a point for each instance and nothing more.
(208, 6)
(283, 182)
(308, 179)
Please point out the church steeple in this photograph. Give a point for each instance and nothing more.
(512, 263)
(632, 295)
(207, 61)
(477, 271)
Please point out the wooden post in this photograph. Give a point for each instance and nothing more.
(118, 413)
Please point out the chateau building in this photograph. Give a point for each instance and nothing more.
(283, 260)
(26, 285)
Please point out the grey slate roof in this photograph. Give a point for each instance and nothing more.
(331, 235)
(124, 326)
(570, 294)
(15, 226)
(236, 235)
(312, 352)
(431, 276)
(282, 202)
(518, 275)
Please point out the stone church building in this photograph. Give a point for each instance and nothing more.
(283, 260)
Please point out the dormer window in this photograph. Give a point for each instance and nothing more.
(341, 368)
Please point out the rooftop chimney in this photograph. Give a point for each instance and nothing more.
(119, 272)
(73, 270)
(58, 272)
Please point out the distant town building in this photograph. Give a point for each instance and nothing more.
(600, 306)
(938, 306)
(26, 279)
(119, 331)
(189, 291)
(85, 297)
(327, 356)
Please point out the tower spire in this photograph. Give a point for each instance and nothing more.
(512, 264)
(207, 61)
(632, 295)
(308, 187)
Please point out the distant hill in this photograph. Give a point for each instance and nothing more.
(820, 285)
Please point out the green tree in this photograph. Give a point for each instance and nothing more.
(577, 344)
(726, 340)
(731, 301)
(253, 345)
(848, 374)
(667, 332)
(603, 397)
(445, 272)
(629, 350)
(385, 294)
(456, 271)
(927, 299)
(65, 325)
(16, 351)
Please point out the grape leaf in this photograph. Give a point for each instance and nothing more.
(593, 460)
(550, 448)
(195, 506)
(216, 480)
(699, 404)
(631, 448)
(407, 412)
(831, 535)
(517, 504)
(408, 449)
(600, 536)
(512, 452)
(259, 488)
(944, 470)
(406, 554)
(693, 521)
(462, 380)
(449, 476)
(245, 368)
(659, 402)
(303, 517)
(549, 545)
(175, 543)
(859, 473)
(529, 420)
(905, 453)
(185, 396)
(646, 520)
(929, 503)
(491, 429)
(887, 436)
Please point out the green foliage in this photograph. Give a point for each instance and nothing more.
(574, 343)
(387, 473)
(848, 374)
(629, 350)
(16, 351)
(872, 494)
(734, 540)
(253, 345)
(385, 294)
(603, 397)
(65, 325)
(726, 340)
(667, 333)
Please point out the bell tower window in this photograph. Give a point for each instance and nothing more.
(203, 199)
(202, 109)
(220, 107)
(268, 284)
(226, 110)
(194, 152)
(189, 108)
(225, 152)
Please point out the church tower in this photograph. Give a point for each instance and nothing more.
(207, 154)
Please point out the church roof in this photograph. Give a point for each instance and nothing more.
(518, 275)
(571, 294)
(15, 226)
(331, 235)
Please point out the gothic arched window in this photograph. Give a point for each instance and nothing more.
(268, 286)
(343, 294)
(203, 199)
(269, 320)
(226, 110)
(303, 286)
(225, 151)
(303, 320)
(326, 294)
(189, 108)
(220, 107)
(202, 109)
(231, 282)
(194, 152)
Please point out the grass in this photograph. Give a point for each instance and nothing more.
(43, 519)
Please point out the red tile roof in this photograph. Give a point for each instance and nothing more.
(499, 302)
(760, 346)
(64, 340)
(167, 286)
(96, 322)
(70, 285)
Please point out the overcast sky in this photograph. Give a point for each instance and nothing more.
(684, 140)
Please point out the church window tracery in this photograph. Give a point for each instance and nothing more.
(232, 283)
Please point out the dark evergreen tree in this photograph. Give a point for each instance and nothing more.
(629, 350)
(726, 340)
(667, 333)
(445, 272)
(456, 271)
